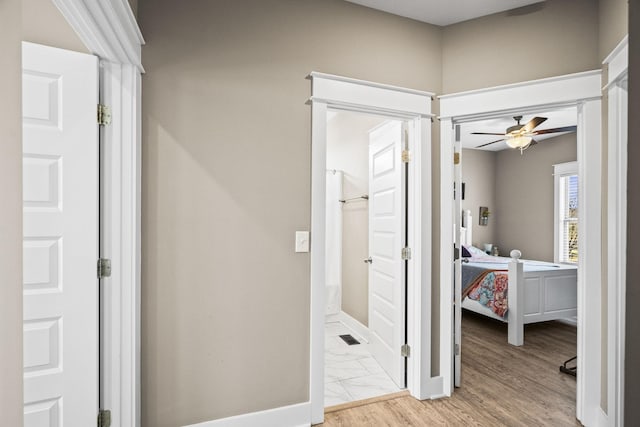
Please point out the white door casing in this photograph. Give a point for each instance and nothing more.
(60, 198)
(457, 295)
(387, 225)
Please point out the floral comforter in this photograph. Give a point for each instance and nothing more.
(490, 290)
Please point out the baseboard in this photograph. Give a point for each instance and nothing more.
(432, 389)
(354, 325)
(298, 415)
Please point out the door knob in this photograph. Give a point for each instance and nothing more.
(368, 260)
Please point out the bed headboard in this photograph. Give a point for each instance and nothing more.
(466, 231)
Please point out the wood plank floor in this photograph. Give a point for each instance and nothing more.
(502, 385)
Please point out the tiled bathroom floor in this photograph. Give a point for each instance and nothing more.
(350, 373)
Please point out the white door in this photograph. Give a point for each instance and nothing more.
(60, 201)
(457, 284)
(387, 236)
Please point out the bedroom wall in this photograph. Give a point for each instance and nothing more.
(226, 182)
(632, 350)
(479, 176)
(43, 23)
(524, 196)
(11, 213)
(348, 150)
(542, 40)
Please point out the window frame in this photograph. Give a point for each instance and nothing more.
(560, 170)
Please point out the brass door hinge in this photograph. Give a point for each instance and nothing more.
(104, 115)
(406, 156)
(104, 268)
(104, 418)
(405, 350)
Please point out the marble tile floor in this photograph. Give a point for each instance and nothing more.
(350, 372)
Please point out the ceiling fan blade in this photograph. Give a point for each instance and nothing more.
(489, 143)
(486, 133)
(554, 130)
(533, 123)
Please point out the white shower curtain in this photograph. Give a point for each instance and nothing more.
(333, 290)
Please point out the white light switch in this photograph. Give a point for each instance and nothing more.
(302, 241)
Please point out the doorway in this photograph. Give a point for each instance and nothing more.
(413, 107)
(582, 90)
(527, 201)
(366, 231)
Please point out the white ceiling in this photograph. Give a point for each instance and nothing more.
(443, 12)
(555, 119)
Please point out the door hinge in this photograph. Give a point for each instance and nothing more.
(405, 350)
(104, 418)
(104, 268)
(457, 349)
(456, 158)
(456, 253)
(406, 253)
(406, 156)
(104, 115)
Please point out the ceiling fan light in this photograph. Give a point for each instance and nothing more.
(520, 142)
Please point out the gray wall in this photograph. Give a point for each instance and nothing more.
(348, 150)
(226, 182)
(543, 40)
(43, 23)
(479, 176)
(524, 196)
(10, 214)
(632, 353)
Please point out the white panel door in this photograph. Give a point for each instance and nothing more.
(60, 201)
(387, 235)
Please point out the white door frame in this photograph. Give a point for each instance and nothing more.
(415, 107)
(584, 91)
(109, 30)
(618, 64)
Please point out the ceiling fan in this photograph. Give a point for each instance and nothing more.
(521, 136)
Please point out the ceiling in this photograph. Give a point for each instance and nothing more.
(555, 119)
(443, 12)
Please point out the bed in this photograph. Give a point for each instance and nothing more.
(515, 291)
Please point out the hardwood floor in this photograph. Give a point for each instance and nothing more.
(502, 385)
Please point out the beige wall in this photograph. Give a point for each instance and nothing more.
(613, 24)
(43, 23)
(10, 215)
(543, 40)
(348, 150)
(479, 176)
(226, 182)
(524, 196)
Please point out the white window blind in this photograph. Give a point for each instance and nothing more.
(566, 213)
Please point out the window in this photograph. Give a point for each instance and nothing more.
(566, 212)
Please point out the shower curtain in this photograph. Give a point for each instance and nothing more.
(333, 273)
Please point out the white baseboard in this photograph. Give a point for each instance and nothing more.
(298, 415)
(357, 327)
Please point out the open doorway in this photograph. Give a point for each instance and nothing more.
(366, 230)
(525, 200)
(582, 91)
(411, 352)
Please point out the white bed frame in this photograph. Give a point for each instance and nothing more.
(534, 296)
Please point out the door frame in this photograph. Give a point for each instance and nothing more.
(583, 90)
(109, 30)
(617, 63)
(414, 106)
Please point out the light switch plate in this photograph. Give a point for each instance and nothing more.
(302, 241)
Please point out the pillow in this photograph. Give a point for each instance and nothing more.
(473, 251)
(465, 253)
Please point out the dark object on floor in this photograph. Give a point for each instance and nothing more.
(349, 339)
(569, 370)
